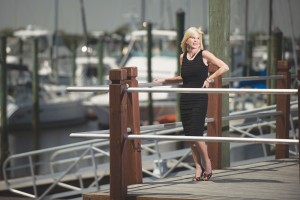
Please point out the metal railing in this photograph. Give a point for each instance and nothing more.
(43, 172)
(79, 161)
(91, 149)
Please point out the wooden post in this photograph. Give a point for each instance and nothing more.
(215, 128)
(74, 55)
(298, 115)
(219, 44)
(118, 127)
(35, 96)
(149, 65)
(100, 68)
(180, 16)
(283, 105)
(4, 151)
(135, 175)
(276, 49)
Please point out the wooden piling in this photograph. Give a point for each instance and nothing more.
(298, 76)
(4, 151)
(74, 55)
(100, 68)
(35, 96)
(149, 66)
(275, 54)
(180, 16)
(118, 127)
(283, 105)
(219, 44)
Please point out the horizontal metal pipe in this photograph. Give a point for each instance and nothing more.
(194, 138)
(168, 125)
(104, 88)
(88, 89)
(90, 135)
(143, 87)
(251, 115)
(214, 90)
(251, 78)
(212, 139)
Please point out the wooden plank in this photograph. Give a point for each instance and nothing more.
(276, 179)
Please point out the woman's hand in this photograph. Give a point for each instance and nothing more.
(205, 84)
(158, 80)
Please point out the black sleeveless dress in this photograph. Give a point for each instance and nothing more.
(193, 106)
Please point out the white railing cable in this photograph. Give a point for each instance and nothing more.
(213, 90)
(211, 139)
(188, 90)
(195, 138)
(88, 89)
(105, 88)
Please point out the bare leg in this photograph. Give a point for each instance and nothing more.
(204, 155)
(197, 160)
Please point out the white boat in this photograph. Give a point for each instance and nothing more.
(164, 65)
(57, 107)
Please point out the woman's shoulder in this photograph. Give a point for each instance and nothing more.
(181, 55)
(206, 52)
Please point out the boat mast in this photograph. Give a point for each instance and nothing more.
(83, 21)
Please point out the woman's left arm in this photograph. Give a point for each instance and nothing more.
(212, 59)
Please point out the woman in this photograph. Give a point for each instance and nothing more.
(194, 63)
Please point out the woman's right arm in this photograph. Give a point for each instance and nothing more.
(177, 79)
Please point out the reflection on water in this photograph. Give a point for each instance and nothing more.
(21, 140)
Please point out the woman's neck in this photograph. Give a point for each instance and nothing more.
(192, 53)
(193, 50)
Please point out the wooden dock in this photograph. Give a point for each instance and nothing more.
(276, 179)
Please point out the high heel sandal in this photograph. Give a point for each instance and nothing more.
(201, 175)
(196, 179)
(207, 176)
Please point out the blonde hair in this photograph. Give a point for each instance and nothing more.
(189, 33)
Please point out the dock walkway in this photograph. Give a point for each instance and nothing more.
(276, 179)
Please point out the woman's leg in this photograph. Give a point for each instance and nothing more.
(202, 147)
(197, 160)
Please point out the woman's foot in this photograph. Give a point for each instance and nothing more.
(199, 174)
(196, 179)
(207, 172)
(207, 176)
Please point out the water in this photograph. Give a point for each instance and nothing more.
(20, 141)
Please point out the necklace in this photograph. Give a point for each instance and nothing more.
(192, 58)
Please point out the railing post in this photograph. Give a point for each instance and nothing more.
(215, 128)
(118, 127)
(283, 105)
(133, 120)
